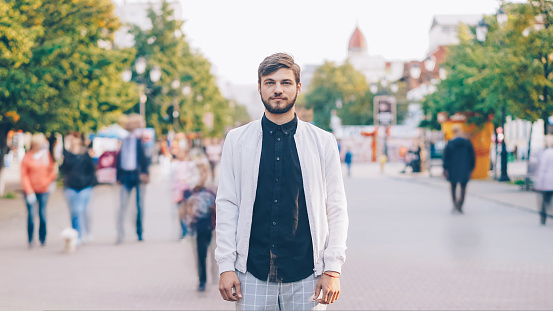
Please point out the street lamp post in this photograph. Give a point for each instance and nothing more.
(502, 19)
(374, 88)
(175, 85)
(429, 65)
(504, 176)
(186, 90)
(155, 74)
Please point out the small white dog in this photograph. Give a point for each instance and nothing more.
(69, 236)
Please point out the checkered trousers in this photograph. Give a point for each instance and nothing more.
(263, 295)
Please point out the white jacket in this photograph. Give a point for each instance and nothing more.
(544, 175)
(324, 195)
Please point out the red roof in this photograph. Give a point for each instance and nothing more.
(357, 41)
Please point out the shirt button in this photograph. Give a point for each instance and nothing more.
(274, 223)
(276, 180)
(276, 201)
(272, 245)
(278, 159)
(285, 133)
(278, 139)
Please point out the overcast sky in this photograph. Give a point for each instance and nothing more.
(236, 35)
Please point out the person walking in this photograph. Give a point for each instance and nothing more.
(185, 176)
(132, 172)
(544, 178)
(38, 172)
(281, 206)
(458, 163)
(348, 159)
(200, 215)
(213, 151)
(79, 176)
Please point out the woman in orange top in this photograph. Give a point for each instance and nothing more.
(37, 173)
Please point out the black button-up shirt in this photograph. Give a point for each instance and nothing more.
(281, 249)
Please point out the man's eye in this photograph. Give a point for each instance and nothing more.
(287, 82)
(269, 82)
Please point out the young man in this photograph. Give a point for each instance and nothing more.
(132, 172)
(281, 206)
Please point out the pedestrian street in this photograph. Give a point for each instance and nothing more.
(406, 251)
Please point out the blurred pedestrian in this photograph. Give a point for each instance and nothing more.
(38, 172)
(383, 160)
(347, 160)
(280, 244)
(185, 176)
(79, 176)
(132, 173)
(544, 178)
(413, 160)
(458, 163)
(199, 210)
(213, 150)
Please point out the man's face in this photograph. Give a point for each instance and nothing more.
(279, 91)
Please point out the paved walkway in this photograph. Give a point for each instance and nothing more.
(405, 251)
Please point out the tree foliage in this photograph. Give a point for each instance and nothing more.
(68, 82)
(165, 45)
(56, 70)
(333, 82)
(510, 70)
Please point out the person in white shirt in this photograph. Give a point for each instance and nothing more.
(289, 172)
(544, 178)
(132, 172)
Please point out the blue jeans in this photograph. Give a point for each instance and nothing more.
(78, 202)
(125, 194)
(41, 201)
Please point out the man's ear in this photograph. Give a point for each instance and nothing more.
(299, 88)
(258, 87)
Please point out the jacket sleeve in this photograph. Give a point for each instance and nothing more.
(119, 173)
(336, 209)
(472, 155)
(445, 157)
(226, 210)
(143, 161)
(25, 178)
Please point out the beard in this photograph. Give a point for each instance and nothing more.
(276, 109)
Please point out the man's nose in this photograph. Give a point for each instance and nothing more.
(278, 89)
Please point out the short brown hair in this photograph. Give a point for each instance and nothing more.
(275, 62)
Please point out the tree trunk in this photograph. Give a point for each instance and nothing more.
(529, 148)
(3, 151)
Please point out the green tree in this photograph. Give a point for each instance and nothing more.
(68, 79)
(240, 115)
(16, 41)
(531, 42)
(510, 70)
(165, 45)
(77, 83)
(332, 83)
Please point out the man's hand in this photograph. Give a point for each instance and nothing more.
(330, 286)
(229, 286)
(144, 178)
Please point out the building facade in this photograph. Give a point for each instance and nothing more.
(375, 67)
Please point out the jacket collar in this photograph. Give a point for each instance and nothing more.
(299, 130)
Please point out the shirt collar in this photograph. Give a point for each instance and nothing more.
(270, 127)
